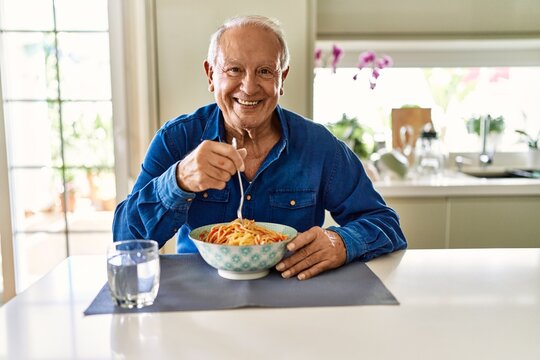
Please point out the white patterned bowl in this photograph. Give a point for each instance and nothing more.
(243, 262)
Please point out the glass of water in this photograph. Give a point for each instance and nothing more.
(133, 272)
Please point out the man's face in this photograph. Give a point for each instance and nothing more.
(247, 77)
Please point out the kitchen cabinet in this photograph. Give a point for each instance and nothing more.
(423, 221)
(478, 222)
(469, 221)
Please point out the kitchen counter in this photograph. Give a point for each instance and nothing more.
(462, 211)
(457, 184)
(454, 304)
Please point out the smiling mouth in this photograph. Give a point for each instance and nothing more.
(246, 102)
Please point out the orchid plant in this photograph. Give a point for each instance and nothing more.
(369, 60)
(366, 60)
(336, 54)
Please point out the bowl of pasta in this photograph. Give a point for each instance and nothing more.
(242, 249)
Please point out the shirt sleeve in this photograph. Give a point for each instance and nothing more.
(157, 206)
(368, 227)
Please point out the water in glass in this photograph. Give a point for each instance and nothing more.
(133, 273)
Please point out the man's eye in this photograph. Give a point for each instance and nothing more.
(234, 71)
(266, 73)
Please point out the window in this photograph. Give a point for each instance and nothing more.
(56, 87)
(457, 81)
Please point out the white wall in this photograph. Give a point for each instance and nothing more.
(183, 30)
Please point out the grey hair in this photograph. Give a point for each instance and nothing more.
(250, 20)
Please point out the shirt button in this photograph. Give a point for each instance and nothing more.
(189, 199)
(248, 197)
(205, 195)
(292, 203)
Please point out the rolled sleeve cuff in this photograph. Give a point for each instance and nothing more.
(170, 194)
(354, 242)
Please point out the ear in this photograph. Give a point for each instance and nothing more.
(284, 74)
(209, 75)
(283, 77)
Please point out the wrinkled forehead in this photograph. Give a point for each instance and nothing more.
(249, 44)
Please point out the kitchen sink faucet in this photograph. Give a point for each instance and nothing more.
(485, 157)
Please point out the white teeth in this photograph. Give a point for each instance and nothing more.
(249, 103)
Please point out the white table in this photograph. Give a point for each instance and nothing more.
(455, 304)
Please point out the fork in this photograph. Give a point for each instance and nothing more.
(239, 211)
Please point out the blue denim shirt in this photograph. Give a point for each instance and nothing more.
(306, 172)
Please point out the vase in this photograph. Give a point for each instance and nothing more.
(533, 159)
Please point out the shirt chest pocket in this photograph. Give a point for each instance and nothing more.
(292, 207)
(209, 207)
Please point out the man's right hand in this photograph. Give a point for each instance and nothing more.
(209, 166)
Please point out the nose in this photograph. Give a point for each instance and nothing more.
(250, 83)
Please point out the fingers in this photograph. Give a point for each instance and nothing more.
(314, 270)
(303, 239)
(223, 156)
(210, 165)
(314, 253)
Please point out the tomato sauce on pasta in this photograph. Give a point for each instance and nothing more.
(241, 232)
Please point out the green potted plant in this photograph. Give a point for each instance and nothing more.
(357, 136)
(532, 142)
(533, 156)
(359, 139)
(496, 125)
(495, 128)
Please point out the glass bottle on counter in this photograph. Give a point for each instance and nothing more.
(430, 157)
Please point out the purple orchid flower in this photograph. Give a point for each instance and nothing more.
(318, 57)
(318, 54)
(365, 58)
(368, 59)
(384, 62)
(337, 54)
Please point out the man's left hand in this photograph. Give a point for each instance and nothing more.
(315, 251)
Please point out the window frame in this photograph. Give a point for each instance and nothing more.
(8, 231)
(444, 52)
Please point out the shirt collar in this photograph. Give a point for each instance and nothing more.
(214, 126)
(284, 127)
(215, 129)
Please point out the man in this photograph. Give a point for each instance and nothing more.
(292, 168)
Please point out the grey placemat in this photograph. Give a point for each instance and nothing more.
(188, 283)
